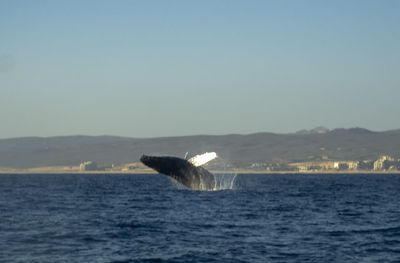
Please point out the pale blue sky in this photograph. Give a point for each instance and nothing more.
(167, 68)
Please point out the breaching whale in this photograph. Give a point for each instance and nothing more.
(187, 172)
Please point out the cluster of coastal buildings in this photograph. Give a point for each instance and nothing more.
(384, 163)
(93, 166)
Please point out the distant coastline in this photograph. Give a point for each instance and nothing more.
(75, 170)
(319, 150)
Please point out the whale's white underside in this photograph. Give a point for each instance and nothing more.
(201, 159)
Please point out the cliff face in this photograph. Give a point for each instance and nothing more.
(239, 150)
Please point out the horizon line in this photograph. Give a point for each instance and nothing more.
(316, 130)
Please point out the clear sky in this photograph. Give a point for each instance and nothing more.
(169, 68)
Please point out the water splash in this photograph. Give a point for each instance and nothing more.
(225, 178)
(224, 181)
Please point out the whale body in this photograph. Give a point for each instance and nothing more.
(183, 171)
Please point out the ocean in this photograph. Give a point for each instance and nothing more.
(149, 218)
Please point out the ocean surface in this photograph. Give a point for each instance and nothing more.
(149, 218)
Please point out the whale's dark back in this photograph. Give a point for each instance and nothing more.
(196, 178)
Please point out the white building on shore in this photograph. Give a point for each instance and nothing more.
(88, 166)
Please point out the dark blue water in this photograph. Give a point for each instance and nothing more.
(146, 218)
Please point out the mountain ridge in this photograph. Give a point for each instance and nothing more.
(241, 150)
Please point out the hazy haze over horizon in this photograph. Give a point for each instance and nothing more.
(172, 68)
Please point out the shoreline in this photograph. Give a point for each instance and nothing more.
(55, 171)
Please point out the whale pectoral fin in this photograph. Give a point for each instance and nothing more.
(201, 159)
